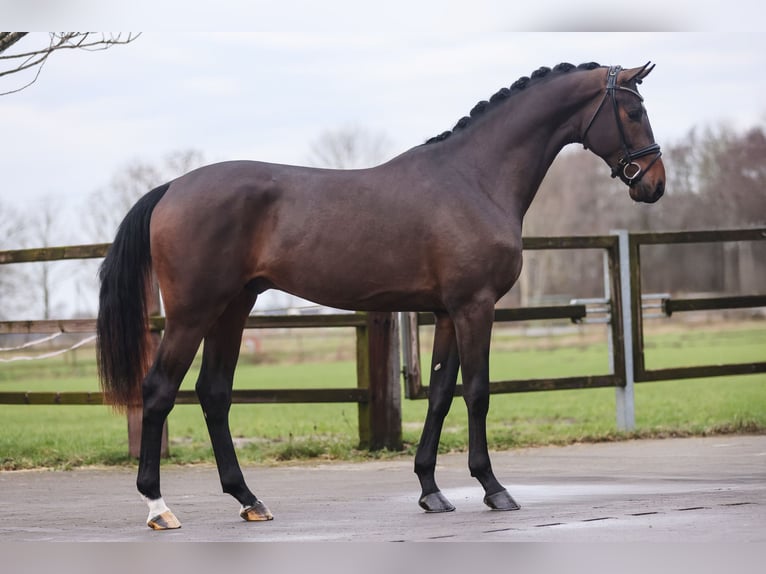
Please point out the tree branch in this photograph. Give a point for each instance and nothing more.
(21, 61)
(8, 39)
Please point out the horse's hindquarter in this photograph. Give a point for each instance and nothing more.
(356, 239)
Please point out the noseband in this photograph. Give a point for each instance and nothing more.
(628, 170)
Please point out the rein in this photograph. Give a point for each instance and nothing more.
(628, 170)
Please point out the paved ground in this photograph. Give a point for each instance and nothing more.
(698, 489)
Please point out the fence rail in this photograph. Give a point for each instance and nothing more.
(670, 305)
(375, 393)
(378, 369)
(92, 251)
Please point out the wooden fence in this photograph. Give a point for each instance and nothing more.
(378, 390)
(670, 306)
(622, 283)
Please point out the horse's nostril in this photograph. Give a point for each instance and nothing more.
(659, 191)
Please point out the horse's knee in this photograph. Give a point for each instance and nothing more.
(439, 406)
(477, 402)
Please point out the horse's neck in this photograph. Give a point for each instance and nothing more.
(511, 152)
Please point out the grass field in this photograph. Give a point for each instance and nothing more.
(65, 437)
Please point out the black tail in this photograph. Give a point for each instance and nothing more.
(122, 348)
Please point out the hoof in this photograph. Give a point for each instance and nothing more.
(501, 501)
(435, 502)
(258, 512)
(164, 521)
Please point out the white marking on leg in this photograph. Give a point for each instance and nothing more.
(438, 366)
(156, 507)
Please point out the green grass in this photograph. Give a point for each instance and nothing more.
(65, 437)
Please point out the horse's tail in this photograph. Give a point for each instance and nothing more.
(123, 343)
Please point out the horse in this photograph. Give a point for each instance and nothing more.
(435, 229)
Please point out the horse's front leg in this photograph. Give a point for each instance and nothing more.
(444, 368)
(473, 325)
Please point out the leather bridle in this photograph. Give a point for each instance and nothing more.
(627, 169)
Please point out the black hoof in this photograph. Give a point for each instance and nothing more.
(435, 502)
(501, 501)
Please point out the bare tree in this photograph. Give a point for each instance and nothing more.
(734, 192)
(12, 279)
(17, 58)
(349, 148)
(716, 178)
(43, 233)
(108, 205)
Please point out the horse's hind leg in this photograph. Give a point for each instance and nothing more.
(444, 368)
(174, 356)
(219, 359)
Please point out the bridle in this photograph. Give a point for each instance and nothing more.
(628, 170)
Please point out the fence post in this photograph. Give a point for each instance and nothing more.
(625, 407)
(413, 378)
(378, 370)
(135, 413)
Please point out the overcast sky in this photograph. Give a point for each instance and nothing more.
(409, 73)
(403, 68)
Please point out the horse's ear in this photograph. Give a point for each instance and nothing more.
(638, 74)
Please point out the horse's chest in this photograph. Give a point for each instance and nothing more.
(503, 262)
(494, 264)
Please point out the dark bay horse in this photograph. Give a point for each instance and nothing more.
(437, 229)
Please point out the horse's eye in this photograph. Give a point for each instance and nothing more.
(635, 114)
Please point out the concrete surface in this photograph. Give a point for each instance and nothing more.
(689, 490)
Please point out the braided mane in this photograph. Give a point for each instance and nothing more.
(504, 93)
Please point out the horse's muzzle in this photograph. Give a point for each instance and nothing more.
(650, 187)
